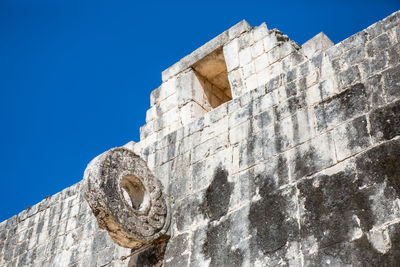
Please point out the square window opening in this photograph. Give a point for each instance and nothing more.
(212, 73)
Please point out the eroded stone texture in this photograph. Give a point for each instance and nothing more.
(116, 177)
(300, 168)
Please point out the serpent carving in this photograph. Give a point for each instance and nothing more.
(126, 198)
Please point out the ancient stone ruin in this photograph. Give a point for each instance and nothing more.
(256, 152)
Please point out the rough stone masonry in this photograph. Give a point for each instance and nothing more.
(263, 152)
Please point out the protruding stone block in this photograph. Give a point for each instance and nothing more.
(317, 44)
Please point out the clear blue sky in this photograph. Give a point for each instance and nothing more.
(76, 76)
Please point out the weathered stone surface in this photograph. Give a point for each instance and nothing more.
(300, 168)
(317, 44)
(341, 107)
(351, 137)
(116, 177)
(198, 54)
(391, 79)
(385, 122)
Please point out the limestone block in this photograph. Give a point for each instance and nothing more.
(312, 156)
(199, 124)
(293, 59)
(146, 130)
(231, 54)
(167, 104)
(181, 260)
(372, 66)
(166, 89)
(341, 107)
(238, 29)
(185, 221)
(286, 48)
(190, 141)
(218, 113)
(132, 207)
(349, 76)
(195, 56)
(180, 183)
(215, 129)
(380, 43)
(391, 78)
(245, 99)
(209, 147)
(269, 100)
(355, 40)
(154, 95)
(273, 83)
(334, 51)
(263, 77)
(189, 88)
(287, 91)
(257, 93)
(233, 105)
(394, 53)
(151, 114)
(262, 120)
(190, 112)
(260, 32)
(150, 139)
(245, 56)
(251, 82)
(391, 21)
(290, 76)
(314, 94)
(245, 40)
(271, 57)
(257, 49)
(378, 165)
(177, 245)
(270, 41)
(351, 137)
(385, 122)
(249, 69)
(203, 171)
(250, 151)
(261, 62)
(236, 82)
(281, 225)
(239, 132)
(273, 70)
(367, 202)
(317, 44)
(240, 115)
(374, 30)
(374, 91)
(290, 106)
(171, 117)
(158, 125)
(313, 79)
(293, 130)
(355, 55)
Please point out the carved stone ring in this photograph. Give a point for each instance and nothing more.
(126, 198)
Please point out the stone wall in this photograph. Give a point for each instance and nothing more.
(303, 170)
(300, 168)
(59, 231)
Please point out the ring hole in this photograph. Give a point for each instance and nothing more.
(134, 191)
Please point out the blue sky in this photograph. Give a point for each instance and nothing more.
(76, 76)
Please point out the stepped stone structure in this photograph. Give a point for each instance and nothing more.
(256, 152)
